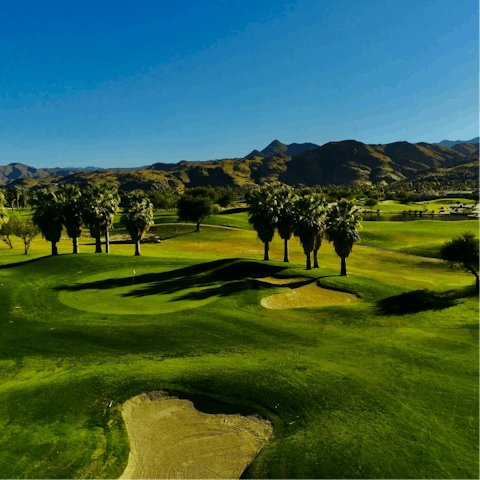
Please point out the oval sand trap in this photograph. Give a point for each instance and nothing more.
(310, 295)
(169, 438)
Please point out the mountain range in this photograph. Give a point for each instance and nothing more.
(343, 162)
(450, 143)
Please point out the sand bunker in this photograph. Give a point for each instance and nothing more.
(169, 438)
(310, 295)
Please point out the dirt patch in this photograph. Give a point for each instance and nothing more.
(310, 295)
(169, 438)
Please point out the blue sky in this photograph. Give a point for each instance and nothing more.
(130, 83)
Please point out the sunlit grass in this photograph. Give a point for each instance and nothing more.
(364, 390)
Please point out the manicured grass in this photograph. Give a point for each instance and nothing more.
(380, 388)
(422, 237)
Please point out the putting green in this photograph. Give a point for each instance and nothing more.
(151, 290)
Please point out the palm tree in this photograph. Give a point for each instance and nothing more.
(48, 217)
(342, 221)
(316, 247)
(3, 210)
(101, 205)
(309, 224)
(263, 216)
(70, 197)
(137, 217)
(16, 194)
(286, 217)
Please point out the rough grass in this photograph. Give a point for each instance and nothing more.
(362, 390)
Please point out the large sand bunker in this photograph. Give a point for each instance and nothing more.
(169, 438)
(310, 295)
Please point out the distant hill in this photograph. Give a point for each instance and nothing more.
(450, 143)
(14, 171)
(277, 147)
(339, 163)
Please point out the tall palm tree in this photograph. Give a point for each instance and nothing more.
(309, 224)
(286, 217)
(3, 210)
(316, 247)
(70, 197)
(101, 205)
(48, 217)
(263, 216)
(137, 217)
(341, 228)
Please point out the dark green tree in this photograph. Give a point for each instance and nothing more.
(163, 200)
(201, 192)
(70, 197)
(462, 251)
(24, 229)
(226, 199)
(474, 196)
(3, 210)
(16, 192)
(195, 208)
(263, 216)
(101, 205)
(6, 231)
(342, 221)
(5, 227)
(137, 217)
(371, 202)
(48, 217)
(286, 217)
(310, 225)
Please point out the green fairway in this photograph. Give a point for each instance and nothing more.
(386, 387)
(421, 237)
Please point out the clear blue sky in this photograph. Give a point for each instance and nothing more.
(129, 83)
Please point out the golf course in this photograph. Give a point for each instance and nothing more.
(370, 375)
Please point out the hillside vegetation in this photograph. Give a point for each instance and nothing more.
(338, 163)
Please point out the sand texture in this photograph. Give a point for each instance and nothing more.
(310, 295)
(169, 438)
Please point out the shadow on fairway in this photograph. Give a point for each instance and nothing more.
(224, 277)
(26, 262)
(421, 300)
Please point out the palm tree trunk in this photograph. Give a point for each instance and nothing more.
(309, 261)
(265, 256)
(477, 279)
(315, 258)
(137, 248)
(285, 250)
(98, 244)
(343, 270)
(54, 248)
(107, 241)
(75, 244)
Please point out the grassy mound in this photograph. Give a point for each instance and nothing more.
(365, 389)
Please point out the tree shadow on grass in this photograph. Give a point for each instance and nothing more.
(25, 262)
(422, 300)
(218, 278)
